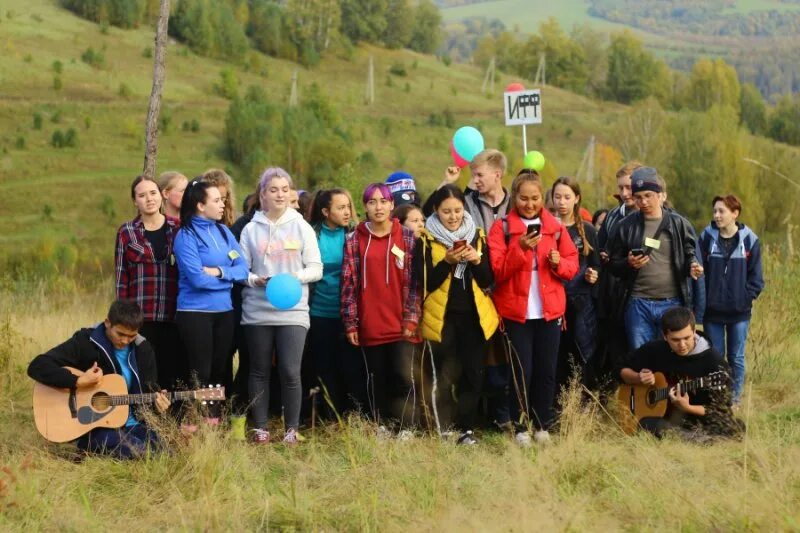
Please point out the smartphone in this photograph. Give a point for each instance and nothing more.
(457, 245)
(534, 229)
(637, 252)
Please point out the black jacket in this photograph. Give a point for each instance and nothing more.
(88, 346)
(629, 234)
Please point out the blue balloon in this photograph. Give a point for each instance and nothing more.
(284, 291)
(468, 142)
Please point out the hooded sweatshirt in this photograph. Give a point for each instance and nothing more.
(206, 243)
(326, 300)
(287, 245)
(379, 295)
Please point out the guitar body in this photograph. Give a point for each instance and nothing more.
(636, 403)
(62, 415)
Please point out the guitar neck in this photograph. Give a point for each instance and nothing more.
(150, 397)
(692, 385)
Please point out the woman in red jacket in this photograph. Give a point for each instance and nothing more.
(531, 255)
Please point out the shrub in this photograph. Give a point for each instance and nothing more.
(57, 84)
(58, 66)
(228, 84)
(147, 52)
(71, 138)
(57, 140)
(37, 120)
(124, 90)
(398, 69)
(93, 58)
(19, 144)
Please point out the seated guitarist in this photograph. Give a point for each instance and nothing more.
(684, 353)
(113, 347)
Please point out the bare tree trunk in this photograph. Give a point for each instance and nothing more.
(154, 109)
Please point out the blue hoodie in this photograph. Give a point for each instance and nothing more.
(732, 281)
(206, 243)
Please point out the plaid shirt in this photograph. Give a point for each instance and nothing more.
(351, 286)
(140, 277)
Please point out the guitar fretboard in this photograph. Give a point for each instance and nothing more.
(691, 386)
(147, 398)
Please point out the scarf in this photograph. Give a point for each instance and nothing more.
(465, 232)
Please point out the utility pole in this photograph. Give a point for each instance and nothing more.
(154, 108)
(293, 92)
(369, 96)
(488, 78)
(541, 72)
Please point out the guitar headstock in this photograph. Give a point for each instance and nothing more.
(213, 393)
(716, 380)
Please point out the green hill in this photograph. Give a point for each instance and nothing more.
(80, 194)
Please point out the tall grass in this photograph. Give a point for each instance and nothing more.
(343, 478)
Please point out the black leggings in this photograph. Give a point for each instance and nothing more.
(208, 338)
(173, 368)
(389, 382)
(338, 365)
(461, 356)
(536, 344)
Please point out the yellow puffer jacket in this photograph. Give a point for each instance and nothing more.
(435, 304)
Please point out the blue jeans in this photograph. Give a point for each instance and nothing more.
(643, 319)
(733, 350)
(129, 442)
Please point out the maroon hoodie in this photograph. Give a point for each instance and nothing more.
(377, 278)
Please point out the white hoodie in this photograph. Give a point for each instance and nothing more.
(288, 245)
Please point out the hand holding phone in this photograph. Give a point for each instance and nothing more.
(457, 245)
(534, 229)
(637, 252)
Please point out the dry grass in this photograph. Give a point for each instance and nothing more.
(343, 478)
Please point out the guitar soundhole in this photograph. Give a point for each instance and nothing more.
(101, 402)
(651, 397)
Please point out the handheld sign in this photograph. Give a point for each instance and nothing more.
(523, 107)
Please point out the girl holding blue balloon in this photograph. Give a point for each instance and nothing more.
(281, 250)
(209, 262)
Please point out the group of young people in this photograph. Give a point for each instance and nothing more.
(476, 293)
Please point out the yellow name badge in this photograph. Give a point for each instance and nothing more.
(291, 244)
(400, 254)
(233, 254)
(652, 243)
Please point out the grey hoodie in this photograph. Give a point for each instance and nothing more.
(288, 245)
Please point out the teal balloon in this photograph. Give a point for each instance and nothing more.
(284, 291)
(534, 160)
(468, 142)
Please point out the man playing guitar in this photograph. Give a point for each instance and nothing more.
(112, 347)
(683, 354)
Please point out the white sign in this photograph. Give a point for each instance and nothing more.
(523, 107)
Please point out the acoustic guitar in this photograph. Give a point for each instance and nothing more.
(645, 401)
(62, 415)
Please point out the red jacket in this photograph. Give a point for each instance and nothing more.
(512, 267)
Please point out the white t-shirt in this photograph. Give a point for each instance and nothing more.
(535, 310)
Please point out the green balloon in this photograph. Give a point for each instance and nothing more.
(534, 160)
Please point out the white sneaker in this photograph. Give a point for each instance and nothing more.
(405, 435)
(523, 439)
(542, 437)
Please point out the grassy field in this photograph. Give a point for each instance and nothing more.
(342, 478)
(81, 194)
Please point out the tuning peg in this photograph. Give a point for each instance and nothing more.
(204, 402)
(218, 385)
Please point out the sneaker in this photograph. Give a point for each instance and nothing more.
(291, 438)
(382, 433)
(189, 429)
(523, 439)
(238, 426)
(542, 437)
(467, 438)
(405, 435)
(259, 436)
